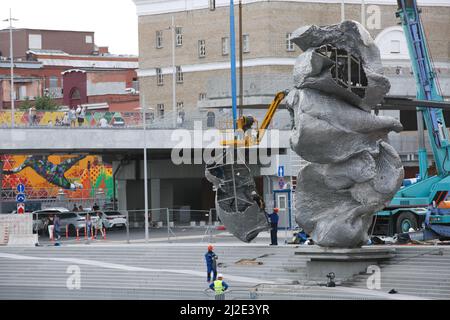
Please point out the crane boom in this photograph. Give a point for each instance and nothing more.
(426, 83)
(412, 202)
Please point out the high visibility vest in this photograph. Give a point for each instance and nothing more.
(218, 287)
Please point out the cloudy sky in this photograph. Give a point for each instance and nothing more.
(113, 21)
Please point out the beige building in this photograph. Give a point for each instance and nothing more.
(202, 51)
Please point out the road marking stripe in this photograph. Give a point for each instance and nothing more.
(116, 266)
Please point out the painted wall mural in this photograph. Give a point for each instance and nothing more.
(44, 176)
(92, 119)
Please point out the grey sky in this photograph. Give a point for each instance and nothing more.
(113, 21)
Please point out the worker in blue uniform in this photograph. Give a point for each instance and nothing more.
(211, 264)
(274, 218)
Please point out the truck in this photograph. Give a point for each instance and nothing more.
(426, 194)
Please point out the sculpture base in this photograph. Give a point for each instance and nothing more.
(344, 263)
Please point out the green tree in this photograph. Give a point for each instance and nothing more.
(26, 104)
(45, 103)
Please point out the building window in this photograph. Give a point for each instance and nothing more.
(246, 43)
(22, 92)
(225, 46)
(180, 106)
(201, 48)
(395, 46)
(180, 76)
(159, 39)
(202, 96)
(212, 5)
(289, 43)
(179, 36)
(89, 39)
(159, 77)
(53, 82)
(160, 110)
(34, 41)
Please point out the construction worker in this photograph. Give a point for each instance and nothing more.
(274, 227)
(219, 286)
(211, 264)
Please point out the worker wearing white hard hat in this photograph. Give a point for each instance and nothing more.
(219, 286)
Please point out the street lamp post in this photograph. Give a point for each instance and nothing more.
(11, 56)
(174, 73)
(144, 114)
(233, 65)
(241, 64)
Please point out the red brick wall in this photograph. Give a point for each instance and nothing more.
(74, 80)
(72, 42)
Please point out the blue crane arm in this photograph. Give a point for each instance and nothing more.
(427, 84)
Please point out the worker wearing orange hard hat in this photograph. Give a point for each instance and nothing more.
(211, 264)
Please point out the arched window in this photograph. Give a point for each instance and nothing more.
(75, 94)
(392, 44)
(210, 119)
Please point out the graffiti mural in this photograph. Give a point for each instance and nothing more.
(92, 119)
(82, 176)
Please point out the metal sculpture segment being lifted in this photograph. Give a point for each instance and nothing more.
(236, 198)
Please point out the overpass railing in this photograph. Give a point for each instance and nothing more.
(54, 193)
(105, 120)
(220, 119)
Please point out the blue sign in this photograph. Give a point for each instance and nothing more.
(281, 183)
(281, 171)
(21, 188)
(20, 198)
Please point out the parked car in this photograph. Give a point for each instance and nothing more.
(40, 216)
(113, 219)
(72, 220)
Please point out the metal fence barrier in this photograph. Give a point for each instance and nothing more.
(172, 221)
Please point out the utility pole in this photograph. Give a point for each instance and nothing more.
(233, 65)
(174, 74)
(241, 64)
(11, 56)
(144, 124)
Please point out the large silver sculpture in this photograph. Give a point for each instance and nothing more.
(352, 171)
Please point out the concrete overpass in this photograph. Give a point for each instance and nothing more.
(31, 140)
(170, 185)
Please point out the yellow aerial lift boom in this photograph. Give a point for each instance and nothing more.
(245, 123)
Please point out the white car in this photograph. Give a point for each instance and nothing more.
(113, 219)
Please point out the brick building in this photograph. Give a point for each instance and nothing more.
(71, 42)
(202, 46)
(44, 70)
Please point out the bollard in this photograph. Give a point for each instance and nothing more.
(104, 233)
(67, 232)
(78, 235)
